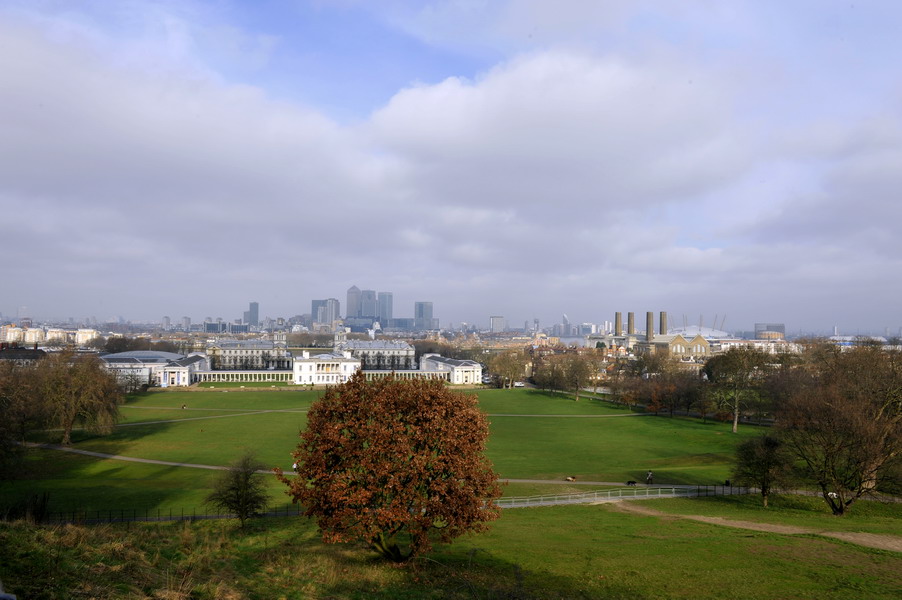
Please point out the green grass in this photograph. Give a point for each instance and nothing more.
(218, 425)
(554, 552)
(557, 552)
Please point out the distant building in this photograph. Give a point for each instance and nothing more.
(352, 307)
(248, 354)
(422, 315)
(456, 371)
(22, 356)
(252, 314)
(384, 310)
(770, 331)
(138, 367)
(368, 304)
(380, 355)
(324, 369)
(496, 324)
(325, 312)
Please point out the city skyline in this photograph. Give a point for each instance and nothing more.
(513, 158)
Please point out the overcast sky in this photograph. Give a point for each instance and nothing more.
(523, 158)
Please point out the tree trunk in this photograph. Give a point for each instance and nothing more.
(735, 412)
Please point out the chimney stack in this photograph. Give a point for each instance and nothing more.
(618, 324)
(630, 324)
(663, 323)
(649, 326)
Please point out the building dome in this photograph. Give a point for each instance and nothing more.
(709, 333)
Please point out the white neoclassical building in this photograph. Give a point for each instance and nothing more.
(379, 355)
(453, 370)
(324, 369)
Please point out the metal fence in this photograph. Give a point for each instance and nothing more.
(148, 515)
(628, 493)
(124, 515)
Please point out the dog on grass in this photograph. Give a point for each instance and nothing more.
(630, 482)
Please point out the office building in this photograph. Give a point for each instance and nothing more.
(384, 312)
(368, 304)
(422, 315)
(352, 307)
(496, 324)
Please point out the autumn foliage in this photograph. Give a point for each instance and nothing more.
(395, 463)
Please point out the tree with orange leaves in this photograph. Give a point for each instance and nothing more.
(395, 463)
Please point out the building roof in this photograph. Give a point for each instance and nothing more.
(374, 345)
(708, 333)
(146, 356)
(21, 354)
(452, 362)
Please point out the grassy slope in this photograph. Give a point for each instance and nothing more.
(560, 552)
(217, 426)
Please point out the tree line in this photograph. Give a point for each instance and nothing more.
(59, 393)
(836, 413)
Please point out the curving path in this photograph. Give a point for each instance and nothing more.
(871, 540)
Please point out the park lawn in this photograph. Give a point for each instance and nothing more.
(678, 451)
(225, 399)
(213, 431)
(552, 552)
(217, 440)
(85, 483)
(536, 402)
(868, 516)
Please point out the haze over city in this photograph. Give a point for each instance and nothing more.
(518, 158)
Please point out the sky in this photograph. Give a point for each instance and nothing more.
(739, 160)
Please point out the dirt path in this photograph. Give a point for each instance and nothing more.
(871, 540)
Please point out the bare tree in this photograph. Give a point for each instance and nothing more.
(240, 489)
(735, 374)
(763, 462)
(844, 422)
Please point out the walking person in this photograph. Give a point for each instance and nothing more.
(649, 478)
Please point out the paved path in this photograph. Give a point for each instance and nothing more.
(871, 540)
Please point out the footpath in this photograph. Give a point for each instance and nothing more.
(870, 540)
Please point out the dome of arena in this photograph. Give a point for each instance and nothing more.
(709, 333)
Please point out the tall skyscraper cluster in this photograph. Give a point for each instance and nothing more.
(368, 304)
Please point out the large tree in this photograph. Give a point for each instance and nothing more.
(735, 375)
(77, 390)
(510, 365)
(393, 462)
(842, 418)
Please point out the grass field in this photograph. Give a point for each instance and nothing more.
(554, 552)
(217, 425)
(557, 552)
(534, 435)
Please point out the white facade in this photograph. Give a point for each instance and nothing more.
(459, 371)
(182, 372)
(83, 336)
(324, 369)
(248, 354)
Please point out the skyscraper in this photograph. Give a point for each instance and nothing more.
(422, 315)
(325, 311)
(353, 305)
(384, 312)
(254, 314)
(368, 304)
(496, 324)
